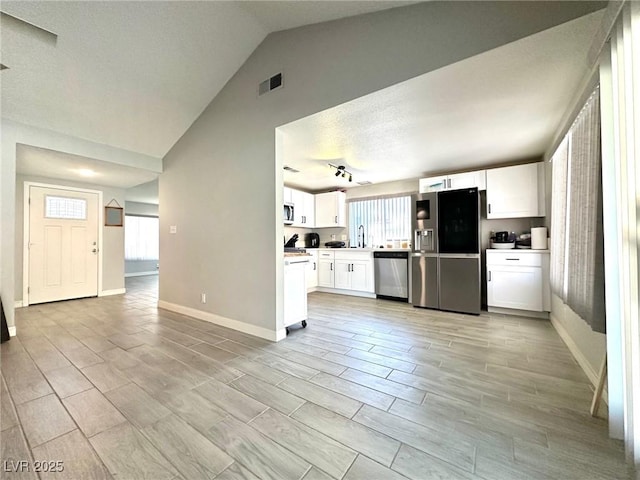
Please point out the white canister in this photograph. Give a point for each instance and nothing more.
(539, 238)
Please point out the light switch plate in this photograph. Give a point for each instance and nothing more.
(173, 229)
(343, 237)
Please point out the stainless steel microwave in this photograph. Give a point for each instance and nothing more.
(288, 213)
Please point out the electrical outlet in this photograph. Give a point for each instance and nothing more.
(173, 229)
(203, 298)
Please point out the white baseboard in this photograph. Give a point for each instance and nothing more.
(578, 355)
(353, 293)
(117, 291)
(243, 327)
(141, 274)
(17, 304)
(519, 313)
(12, 331)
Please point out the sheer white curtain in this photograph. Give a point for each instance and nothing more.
(141, 238)
(383, 218)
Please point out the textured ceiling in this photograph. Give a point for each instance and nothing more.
(501, 105)
(135, 75)
(41, 162)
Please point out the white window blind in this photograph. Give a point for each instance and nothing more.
(383, 218)
(141, 238)
(577, 254)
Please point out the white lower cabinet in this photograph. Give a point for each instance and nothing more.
(312, 270)
(346, 270)
(354, 271)
(518, 280)
(326, 273)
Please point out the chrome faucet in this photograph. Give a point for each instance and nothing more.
(361, 236)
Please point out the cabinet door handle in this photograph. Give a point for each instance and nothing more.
(314, 265)
(449, 182)
(489, 207)
(513, 259)
(331, 264)
(489, 275)
(336, 219)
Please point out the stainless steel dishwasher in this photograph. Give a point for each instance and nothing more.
(392, 275)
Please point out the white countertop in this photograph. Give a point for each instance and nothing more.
(519, 250)
(366, 249)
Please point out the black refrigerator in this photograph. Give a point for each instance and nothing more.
(446, 250)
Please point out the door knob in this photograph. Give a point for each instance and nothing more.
(95, 250)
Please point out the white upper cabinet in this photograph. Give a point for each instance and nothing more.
(517, 191)
(330, 209)
(303, 209)
(455, 181)
(287, 196)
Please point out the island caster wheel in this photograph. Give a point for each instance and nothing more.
(287, 329)
(304, 324)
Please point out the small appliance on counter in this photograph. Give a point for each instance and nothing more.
(290, 245)
(503, 240)
(312, 240)
(335, 244)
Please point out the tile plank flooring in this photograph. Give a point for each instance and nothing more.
(116, 388)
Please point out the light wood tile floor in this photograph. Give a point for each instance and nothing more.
(114, 387)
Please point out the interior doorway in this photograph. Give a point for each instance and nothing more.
(62, 243)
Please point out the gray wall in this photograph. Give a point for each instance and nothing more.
(112, 237)
(222, 182)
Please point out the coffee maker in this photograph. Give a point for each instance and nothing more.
(312, 240)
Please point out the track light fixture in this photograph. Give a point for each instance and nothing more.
(341, 171)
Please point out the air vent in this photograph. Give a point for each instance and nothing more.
(292, 170)
(366, 182)
(270, 84)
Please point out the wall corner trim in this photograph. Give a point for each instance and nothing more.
(18, 304)
(577, 354)
(12, 331)
(117, 291)
(243, 327)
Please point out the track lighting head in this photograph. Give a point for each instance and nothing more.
(341, 171)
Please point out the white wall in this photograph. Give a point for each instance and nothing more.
(222, 181)
(112, 237)
(138, 208)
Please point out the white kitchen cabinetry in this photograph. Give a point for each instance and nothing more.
(517, 191)
(326, 273)
(304, 207)
(295, 290)
(312, 270)
(354, 271)
(330, 209)
(518, 279)
(287, 196)
(454, 181)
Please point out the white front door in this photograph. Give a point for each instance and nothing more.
(63, 244)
